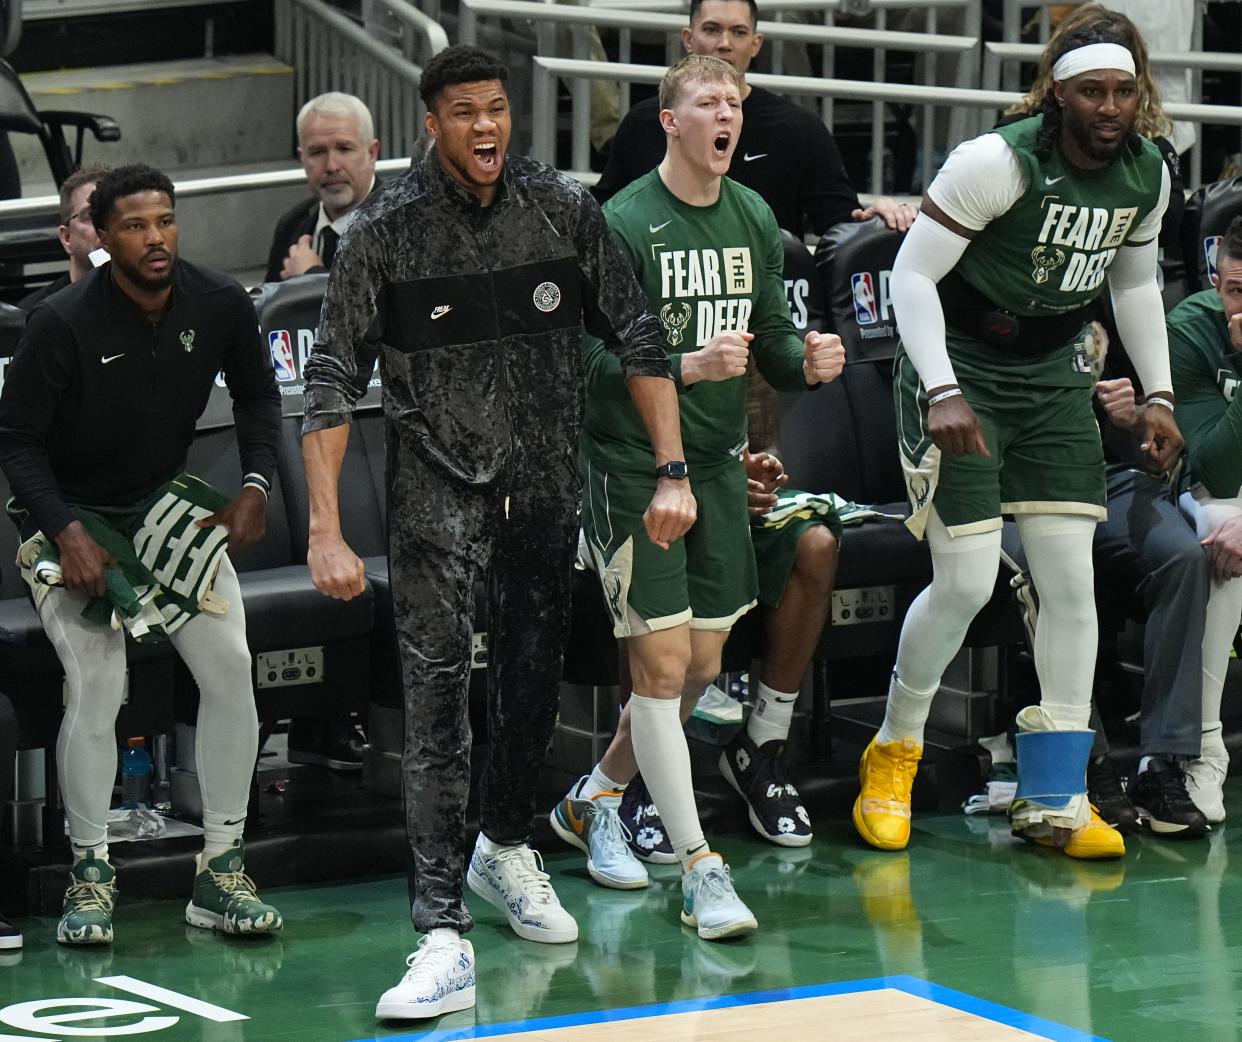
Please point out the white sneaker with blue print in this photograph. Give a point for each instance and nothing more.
(512, 879)
(440, 979)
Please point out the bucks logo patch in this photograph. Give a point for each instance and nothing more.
(187, 340)
(675, 318)
(547, 296)
(1046, 261)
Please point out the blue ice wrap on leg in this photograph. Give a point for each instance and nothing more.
(1052, 766)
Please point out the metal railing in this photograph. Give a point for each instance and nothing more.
(548, 69)
(1002, 58)
(328, 51)
(204, 186)
(546, 16)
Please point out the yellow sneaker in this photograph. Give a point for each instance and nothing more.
(882, 810)
(1092, 841)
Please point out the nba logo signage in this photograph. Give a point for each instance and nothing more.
(282, 355)
(1211, 245)
(865, 311)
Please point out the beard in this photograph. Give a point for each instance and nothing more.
(1091, 146)
(150, 283)
(340, 196)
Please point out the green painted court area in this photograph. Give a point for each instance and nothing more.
(1143, 949)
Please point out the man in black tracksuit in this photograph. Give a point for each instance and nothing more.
(471, 278)
(97, 414)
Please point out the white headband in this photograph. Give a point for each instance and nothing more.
(1091, 58)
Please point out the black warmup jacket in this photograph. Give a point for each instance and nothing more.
(476, 315)
(99, 404)
(785, 153)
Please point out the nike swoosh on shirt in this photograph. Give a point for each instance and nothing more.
(748, 158)
(105, 359)
(1050, 181)
(441, 311)
(653, 228)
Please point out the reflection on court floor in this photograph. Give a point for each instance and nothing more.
(885, 1009)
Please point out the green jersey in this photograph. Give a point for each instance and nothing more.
(705, 270)
(1050, 251)
(1207, 374)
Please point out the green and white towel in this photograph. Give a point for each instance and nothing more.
(792, 505)
(165, 564)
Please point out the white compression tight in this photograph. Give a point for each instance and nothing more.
(1224, 607)
(1058, 547)
(93, 656)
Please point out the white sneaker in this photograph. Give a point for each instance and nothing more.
(513, 880)
(709, 902)
(440, 979)
(1205, 777)
(718, 706)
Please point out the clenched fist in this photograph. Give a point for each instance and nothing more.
(824, 357)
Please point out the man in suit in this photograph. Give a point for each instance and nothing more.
(338, 149)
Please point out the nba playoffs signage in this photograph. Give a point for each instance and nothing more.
(1211, 247)
(290, 349)
(873, 307)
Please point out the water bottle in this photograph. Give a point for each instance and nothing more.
(136, 775)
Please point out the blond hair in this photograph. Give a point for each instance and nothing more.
(695, 68)
(1149, 119)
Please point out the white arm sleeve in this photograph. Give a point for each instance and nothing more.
(927, 255)
(1139, 313)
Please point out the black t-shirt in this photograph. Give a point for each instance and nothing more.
(785, 153)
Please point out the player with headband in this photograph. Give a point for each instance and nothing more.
(1020, 232)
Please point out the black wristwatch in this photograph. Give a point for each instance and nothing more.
(674, 468)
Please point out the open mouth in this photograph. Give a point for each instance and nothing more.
(721, 144)
(158, 259)
(487, 155)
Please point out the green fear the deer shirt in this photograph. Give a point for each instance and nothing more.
(705, 270)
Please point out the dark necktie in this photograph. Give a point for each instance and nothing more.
(328, 238)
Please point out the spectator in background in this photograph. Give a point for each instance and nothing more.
(338, 149)
(785, 153)
(76, 231)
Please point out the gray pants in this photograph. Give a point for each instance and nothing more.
(1148, 541)
(444, 537)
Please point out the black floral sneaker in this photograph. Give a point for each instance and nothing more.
(758, 775)
(1106, 791)
(1160, 797)
(647, 838)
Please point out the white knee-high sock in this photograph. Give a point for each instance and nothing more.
(772, 716)
(227, 737)
(1058, 547)
(664, 759)
(963, 576)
